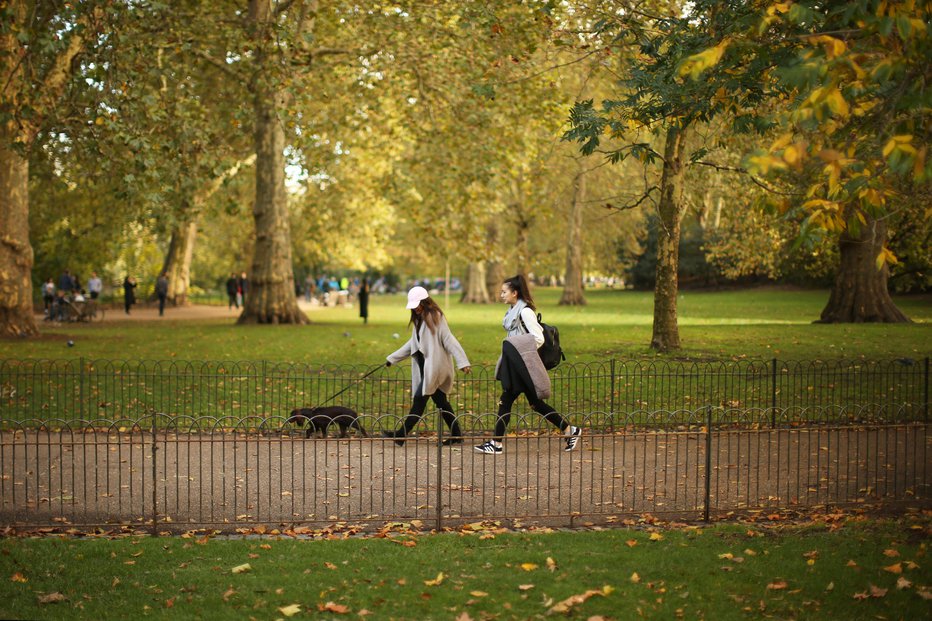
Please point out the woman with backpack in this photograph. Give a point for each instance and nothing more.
(431, 347)
(520, 369)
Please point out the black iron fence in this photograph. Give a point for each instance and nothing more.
(168, 446)
(81, 389)
(175, 475)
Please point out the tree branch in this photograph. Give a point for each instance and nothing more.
(219, 64)
(744, 171)
(60, 72)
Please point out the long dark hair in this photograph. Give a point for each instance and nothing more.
(430, 314)
(519, 283)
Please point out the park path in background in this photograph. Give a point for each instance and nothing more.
(180, 313)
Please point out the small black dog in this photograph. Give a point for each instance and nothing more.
(318, 419)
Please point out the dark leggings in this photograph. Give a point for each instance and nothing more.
(538, 405)
(417, 411)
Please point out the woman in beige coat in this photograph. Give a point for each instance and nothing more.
(430, 348)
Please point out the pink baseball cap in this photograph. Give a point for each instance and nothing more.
(415, 295)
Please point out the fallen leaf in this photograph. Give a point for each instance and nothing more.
(402, 582)
(464, 616)
(925, 593)
(364, 613)
(727, 555)
(239, 569)
(436, 581)
(228, 594)
(830, 586)
(656, 537)
(265, 546)
(18, 577)
(170, 603)
(52, 598)
(635, 578)
(891, 553)
(551, 564)
(478, 593)
(877, 591)
(575, 600)
(631, 543)
(776, 586)
(859, 596)
(340, 609)
(330, 565)
(115, 582)
(851, 564)
(911, 565)
(903, 583)
(290, 611)
(525, 587)
(528, 566)
(896, 568)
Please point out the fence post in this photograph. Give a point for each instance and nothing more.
(439, 469)
(155, 506)
(773, 393)
(81, 388)
(925, 405)
(708, 464)
(611, 392)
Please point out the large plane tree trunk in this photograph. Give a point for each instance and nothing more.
(26, 97)
(859, 293)
(271, 297)
(178, 262)
(666, 333)
(16, 258)
(475, 291)
(573, 279)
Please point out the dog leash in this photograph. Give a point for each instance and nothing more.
(353, 383)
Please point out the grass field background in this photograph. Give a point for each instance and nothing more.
(763, 323)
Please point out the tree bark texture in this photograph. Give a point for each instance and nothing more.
(178, 262)
(666, 333)
(271, 296)
(859, 292)
(16, 258)
(475, 291)
(573, 278)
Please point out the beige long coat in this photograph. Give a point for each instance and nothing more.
(437, 348)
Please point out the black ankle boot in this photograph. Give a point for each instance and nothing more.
(398, 436)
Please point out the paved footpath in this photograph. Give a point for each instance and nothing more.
(229, 480)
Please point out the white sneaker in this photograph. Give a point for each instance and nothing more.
(490, 448)
(573, 439)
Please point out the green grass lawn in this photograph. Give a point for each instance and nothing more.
(757, 323)
(863, 570)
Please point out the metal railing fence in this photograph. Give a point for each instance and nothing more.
(82, 389)
(179, 473)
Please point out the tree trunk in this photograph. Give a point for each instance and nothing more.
(178, 262)
(666, 333)
(475, 291)
(522, 247)
(494, 270)
(859, 293)
(573, 279)
(16, 258)
(271, 296)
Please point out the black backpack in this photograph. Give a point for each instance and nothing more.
(550, 352)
